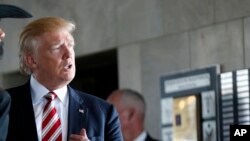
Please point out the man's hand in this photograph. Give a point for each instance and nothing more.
(81, 137)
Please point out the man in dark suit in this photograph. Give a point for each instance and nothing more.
(7, 11)
(131, 108)
(47, 55)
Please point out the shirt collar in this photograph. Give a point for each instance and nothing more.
(38, 91)
(141, 137)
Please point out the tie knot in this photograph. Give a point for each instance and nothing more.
(50, 96)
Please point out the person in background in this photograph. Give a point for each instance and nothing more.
(4, 105)
(7, 11)
(46, 108)
(131, 108)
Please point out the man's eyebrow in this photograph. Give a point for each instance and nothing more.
(56, 42)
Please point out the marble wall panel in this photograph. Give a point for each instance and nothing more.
(160, 56)
(226, 10)
(138, 20)
(218, 44)
(129, 66)
(181, 15)
(247, 42)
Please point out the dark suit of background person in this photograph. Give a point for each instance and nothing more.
(131, 108)
(7, 11)
(51, 66)
(4, 114)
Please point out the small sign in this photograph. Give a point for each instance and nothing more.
(187, 83)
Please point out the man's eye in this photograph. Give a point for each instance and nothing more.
(71, 45)
(55, 47)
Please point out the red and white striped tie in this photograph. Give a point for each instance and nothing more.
(51, 124)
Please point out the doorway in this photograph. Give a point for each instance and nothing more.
(97, 74)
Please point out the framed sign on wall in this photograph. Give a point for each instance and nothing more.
(188, 105)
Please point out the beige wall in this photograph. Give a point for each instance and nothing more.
(153, 37)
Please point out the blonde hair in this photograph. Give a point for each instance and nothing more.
(29, 42)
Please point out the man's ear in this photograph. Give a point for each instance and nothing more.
(131, 113)
(30, 61)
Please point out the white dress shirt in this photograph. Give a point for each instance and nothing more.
(38, 91)
(141, 137)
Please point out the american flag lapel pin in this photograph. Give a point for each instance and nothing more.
(81, 111)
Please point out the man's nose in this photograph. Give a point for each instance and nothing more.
(68, 51)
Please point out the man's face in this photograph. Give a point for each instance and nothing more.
(115, 99)
(54, 60)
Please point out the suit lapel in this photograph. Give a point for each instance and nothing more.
(78, 113)
(27, 115)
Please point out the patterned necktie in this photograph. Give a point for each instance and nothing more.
(51, 124)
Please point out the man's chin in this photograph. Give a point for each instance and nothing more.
(68, 78)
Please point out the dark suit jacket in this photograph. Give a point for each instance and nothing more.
(4, 114)
(99, 118)
(149, 138)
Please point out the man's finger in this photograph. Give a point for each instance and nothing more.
(83, 132)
